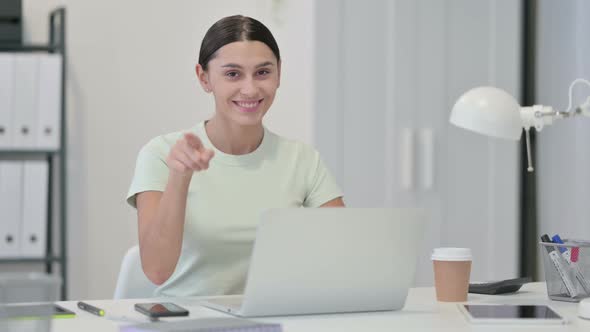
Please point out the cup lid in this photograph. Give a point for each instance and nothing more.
(451, 254)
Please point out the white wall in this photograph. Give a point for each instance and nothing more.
(398, 67)
(130, 78)
(563, 161)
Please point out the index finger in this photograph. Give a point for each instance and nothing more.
(193, 141)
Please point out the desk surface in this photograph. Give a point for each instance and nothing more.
(421, 313)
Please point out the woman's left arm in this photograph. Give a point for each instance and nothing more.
(336, 202)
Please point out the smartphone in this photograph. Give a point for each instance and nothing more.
(156, 310)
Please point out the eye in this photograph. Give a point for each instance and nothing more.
(232, 74)
(263, 72)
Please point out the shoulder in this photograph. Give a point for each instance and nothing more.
(295, 147)
(292, 150)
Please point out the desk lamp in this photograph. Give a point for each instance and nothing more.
(494, 112)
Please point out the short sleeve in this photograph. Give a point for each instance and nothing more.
(322, 186)
(151, 174)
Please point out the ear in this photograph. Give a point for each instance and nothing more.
(279, 73)
(203, 77)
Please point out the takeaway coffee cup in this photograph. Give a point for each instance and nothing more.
(452, 267)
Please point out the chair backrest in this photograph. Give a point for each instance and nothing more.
(132, 282)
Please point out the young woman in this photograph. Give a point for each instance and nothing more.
(199, 193)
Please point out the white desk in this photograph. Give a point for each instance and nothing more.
(421, 313)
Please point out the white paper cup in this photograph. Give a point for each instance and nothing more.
(452, 267)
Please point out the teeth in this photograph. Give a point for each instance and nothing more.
(248, 105)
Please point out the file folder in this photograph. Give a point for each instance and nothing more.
(26, 71)
(6, 99)
(11, 9)
(11, 184)
(49, 101)
(34, 203)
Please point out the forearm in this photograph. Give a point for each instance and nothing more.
(161, 235)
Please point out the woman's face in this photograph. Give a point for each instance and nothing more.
(244, 77)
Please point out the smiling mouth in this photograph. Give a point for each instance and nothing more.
(248, 106)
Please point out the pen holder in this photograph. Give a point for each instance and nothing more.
(567, 269)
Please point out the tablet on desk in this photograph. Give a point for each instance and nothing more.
(511, 314)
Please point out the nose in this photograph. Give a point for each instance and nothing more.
(249, 87)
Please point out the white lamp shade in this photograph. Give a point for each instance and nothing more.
(489, 111)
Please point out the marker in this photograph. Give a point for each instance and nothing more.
(572, 259)
(569, 285)
(91, 309)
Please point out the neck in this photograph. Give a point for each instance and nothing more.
(232, 138)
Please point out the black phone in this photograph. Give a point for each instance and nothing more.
(156, 310)
(498, 287)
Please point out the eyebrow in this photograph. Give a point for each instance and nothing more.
(234, 65)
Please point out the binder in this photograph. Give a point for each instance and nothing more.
(34, 204)
(6, 99)
(49, 102)
(11, 184)
(26, 73)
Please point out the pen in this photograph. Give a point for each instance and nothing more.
(573, 261)
(555, 259)
(91, 309)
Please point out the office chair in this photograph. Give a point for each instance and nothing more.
(132, 282)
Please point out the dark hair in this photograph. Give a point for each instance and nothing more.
(232, 29)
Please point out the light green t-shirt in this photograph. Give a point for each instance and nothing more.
(224, 204)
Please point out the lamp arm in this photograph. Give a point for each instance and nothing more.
(585, 107)
(582, 109)
(538, 116)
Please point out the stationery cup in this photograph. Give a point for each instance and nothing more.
(452, 267)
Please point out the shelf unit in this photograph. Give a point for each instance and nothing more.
(56, 44)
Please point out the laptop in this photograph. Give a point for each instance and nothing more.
(329, 260)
